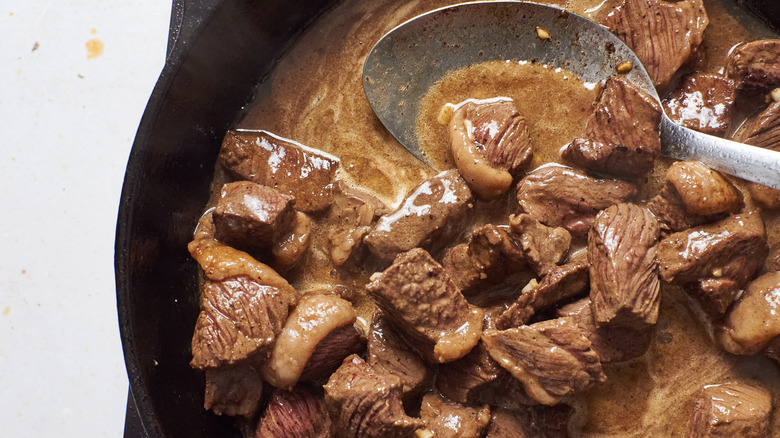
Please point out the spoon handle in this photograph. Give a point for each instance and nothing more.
(744, 161)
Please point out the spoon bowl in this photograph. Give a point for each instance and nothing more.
(408, 60)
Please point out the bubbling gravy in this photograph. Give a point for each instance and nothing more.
(315, 96)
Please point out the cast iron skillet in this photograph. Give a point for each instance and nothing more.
(217, 52)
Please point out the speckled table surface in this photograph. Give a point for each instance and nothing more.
(75, 78)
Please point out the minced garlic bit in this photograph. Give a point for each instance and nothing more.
(424, 433)
(533, 284)
(375, 276)
(624, 67)
(482, 276)
(717, 272)
(542, 33)
(775, 94)
(445, 115)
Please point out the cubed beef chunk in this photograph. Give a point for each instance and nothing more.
(612, 344)
(312, 320)
(732, 410)
(703, 102)
(233, 390)
(353, 213)
(662, 34)
(530, 422)
(305, 173)
(252, 216)
(772, 262)
(490, 143)
(363, 403)
(299, 413)
(629, 117)
(703, 190)
(558, 196)
(452, 420)
(489, 257)
(423, 302)
(562, 282)
(330, 351)
(430, 216)
(755, 66)
(671, 212)
(718, 259)
(762, 130)
(388, 353)
(552, 358)
(608, 159)
(754, 321)
(766, 197)
(624, 284)
(462, 380)
(544, 247)
(289, 250)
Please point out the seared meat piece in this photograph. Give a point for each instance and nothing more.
(762, 130)
(662, 34)
(330, 351)
(292, 168)
(703, 190)
(551, 358)
(772, 262)
(718, 258)
(429, 217)
(612, 344)
(562, 197)
(452, 420)
(252, 216)
(732, 410)
(609, 159)
(312, 320)
(490, 143)
(353, 213)
(562, 282)
(462, 380)
(703, 102)
(389, 354)
(669, 209)
(290, 248)
(530, 422)
(754, 321)
(363, 403)
(767, 197)
(422, 301)
(544, 247)
(299, 413)
(233, 390)
(755, 66)
(624, 285)
(491, 255)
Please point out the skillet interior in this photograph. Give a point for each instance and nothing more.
(217, 52)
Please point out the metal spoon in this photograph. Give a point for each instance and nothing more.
(408, 60)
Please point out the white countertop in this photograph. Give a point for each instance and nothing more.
(68, 120)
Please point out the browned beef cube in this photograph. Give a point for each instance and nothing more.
(490, 144)
(562, 282)
(732, 410)
(462, 380)
(389, 354)
(612, 344)
(703, 102)
(353, 213)
(562, 197)
(755, 66)
(452, 420)
(718, 259)
(239, 321)
(233, 390)
(552, 358)
(662, 34)
(422, 301)
(544, 247)
(762, 130)
(754, 321)
(490, 256)
(363, 403)
(299, 413)
(766, 197)
(626, 116)
(703, 190)
(331, 350)
(609, 159)
(624, 285)
(530, 422)
(431, 215)
(252, 216)
(305, 173)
